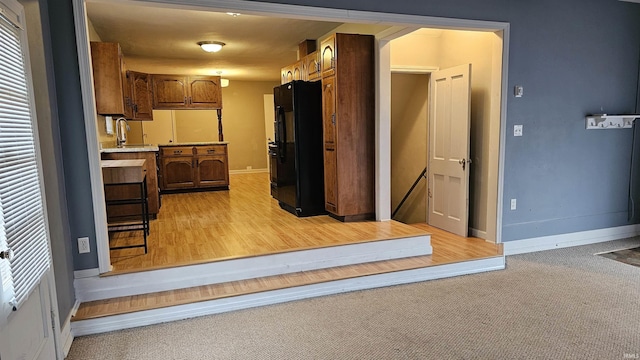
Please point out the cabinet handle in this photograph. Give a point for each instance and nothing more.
(333, 62)
(210, 151)
(190, 102)
(185, 100)
(177, 151)
(333, 119)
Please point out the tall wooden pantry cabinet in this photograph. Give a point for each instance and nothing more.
(347, 67)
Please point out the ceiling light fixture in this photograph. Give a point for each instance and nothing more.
(234, 14)
(211, 46)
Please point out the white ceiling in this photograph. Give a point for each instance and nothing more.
(163, 40)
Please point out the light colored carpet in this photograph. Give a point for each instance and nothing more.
(559, 304)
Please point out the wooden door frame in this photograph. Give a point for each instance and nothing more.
(407, 23)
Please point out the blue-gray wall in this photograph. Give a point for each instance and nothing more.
(573, 57)
(72, 131)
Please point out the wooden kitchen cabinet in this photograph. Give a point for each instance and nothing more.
(298, 70)
(286, 74)
(349, 125)
(328, 55)
(109, 79)
(312, 67)
(194, 167)
(133, 191)
(141, 98)
(186, 92)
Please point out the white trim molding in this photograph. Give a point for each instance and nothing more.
(572, 239)
(79, 274)
(66, 334)
(105, 287)
(180, 312)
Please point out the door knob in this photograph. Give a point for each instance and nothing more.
(462, 162)
(6, 254)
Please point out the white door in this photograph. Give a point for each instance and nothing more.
(28, 333)
(161, 130)
(450, 92)
(27, 289)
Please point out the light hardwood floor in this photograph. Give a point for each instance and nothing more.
(447, 248)
(245, 221)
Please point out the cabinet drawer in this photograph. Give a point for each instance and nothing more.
(177, 151)
(211, 150)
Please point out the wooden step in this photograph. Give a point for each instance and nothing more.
(235, 269)
(139, 310)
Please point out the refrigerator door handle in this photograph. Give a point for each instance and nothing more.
(281, 133)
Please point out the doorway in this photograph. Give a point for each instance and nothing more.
(410, 108)
(383, 121)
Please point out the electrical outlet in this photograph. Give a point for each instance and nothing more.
(83, 245)
(518, 91)
(513, 204)
(517, 130)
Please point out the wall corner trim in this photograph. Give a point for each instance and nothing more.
(66, 334)
(571, 239)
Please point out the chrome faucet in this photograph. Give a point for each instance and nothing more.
(121, 133)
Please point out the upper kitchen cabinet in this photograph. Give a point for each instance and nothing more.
(110, 81)
(312, 66)
(298, 70)
(286, 74)
(186, 92)
(205, 92)
(328, 55)
(141, 99)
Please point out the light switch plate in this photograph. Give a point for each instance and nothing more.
(513, 204)
(517, 130)
(518, 91)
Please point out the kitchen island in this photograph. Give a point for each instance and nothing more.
(194, 166)
(149, 153)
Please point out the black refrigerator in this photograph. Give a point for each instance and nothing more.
(299, 148)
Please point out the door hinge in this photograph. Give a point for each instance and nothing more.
(429, 192)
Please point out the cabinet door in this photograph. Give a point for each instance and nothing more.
(107, 63)
(287, 74)
(329, 109)
(297, 71)
(331, 180)
(169, 91)
(312, 66)
(127, 92)
(177, 172)
(141, 96)
(212, 170)
(328, 55)
(204, 92)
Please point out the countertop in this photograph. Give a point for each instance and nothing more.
(130, 148)
(204, 143)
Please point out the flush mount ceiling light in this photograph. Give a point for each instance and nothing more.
(211, 46)
(234, 14)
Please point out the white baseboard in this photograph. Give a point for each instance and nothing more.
(180, 312)
(571, 239)
(248, 171)
(79, 274)
(478, 233)
(105, 287)
(66, 333)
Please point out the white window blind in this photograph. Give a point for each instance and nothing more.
(22, 221)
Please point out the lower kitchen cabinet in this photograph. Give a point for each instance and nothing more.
(133, 191)
(194, 167)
